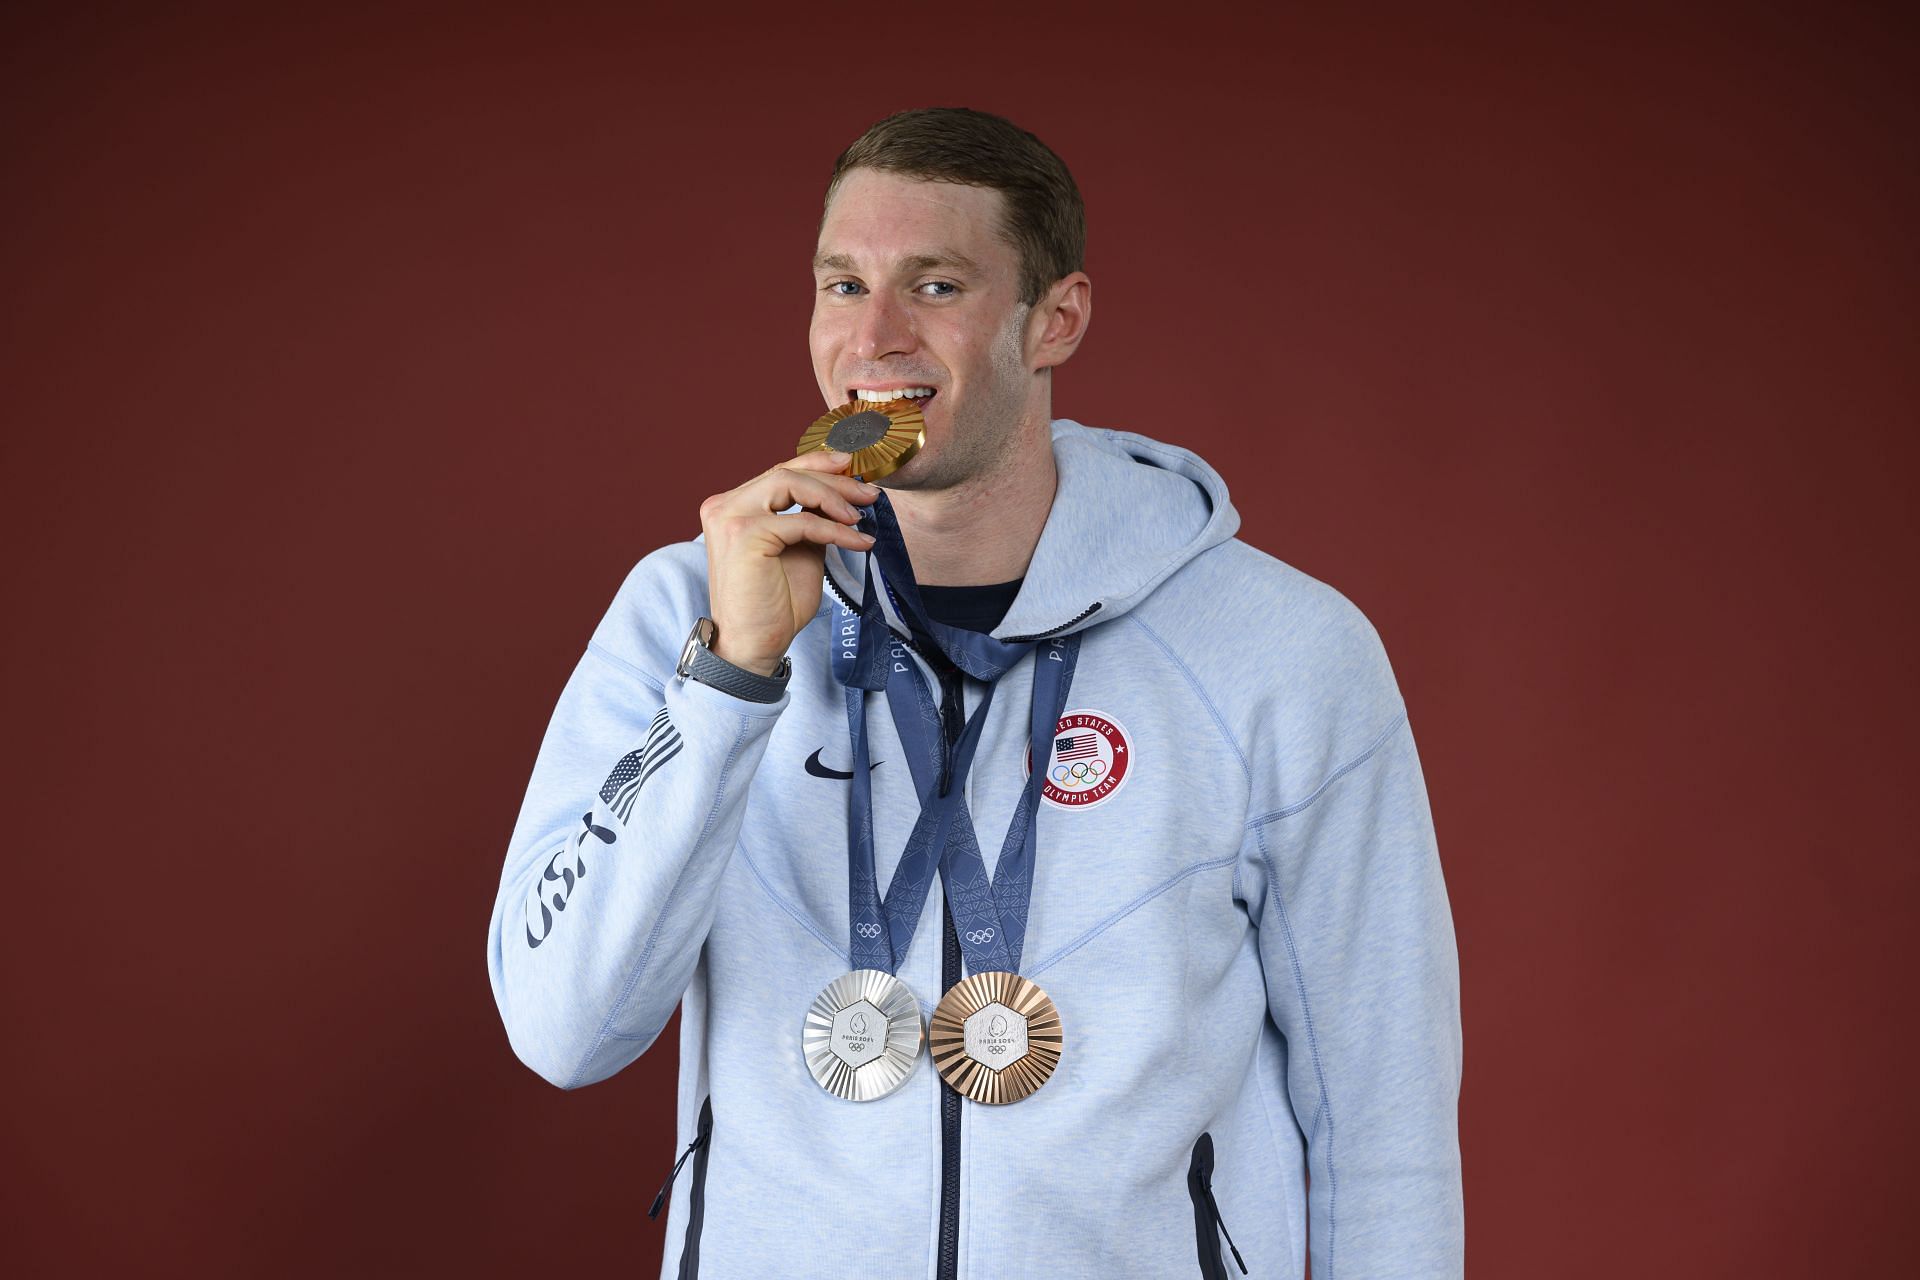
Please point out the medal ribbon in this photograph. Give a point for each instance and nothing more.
(990, 916)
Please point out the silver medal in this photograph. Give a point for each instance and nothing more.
(863, 1035)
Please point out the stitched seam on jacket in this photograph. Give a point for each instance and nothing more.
(1324, 1113)
(799, 917)
(615, 660)
(1278, 1079)
(1127, 910)
(653, 936)
(1260, 1050)
(1287, 811)
(1200, 692)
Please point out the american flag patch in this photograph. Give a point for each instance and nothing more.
(1079, 746)
(623, 785)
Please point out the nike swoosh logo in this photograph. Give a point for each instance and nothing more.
(819, 770)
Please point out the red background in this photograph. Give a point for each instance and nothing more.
(351, 356)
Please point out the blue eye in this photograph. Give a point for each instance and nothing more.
(834, 288)
(941, 284)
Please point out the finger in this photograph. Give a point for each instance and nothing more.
(782, 487)
(821, 460)
(831, 466)
(778, 532)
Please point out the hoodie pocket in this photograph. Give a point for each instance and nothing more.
(697, 1193)
(1207, 1226)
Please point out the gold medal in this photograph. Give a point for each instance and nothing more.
(880, 434)
(995, 1037)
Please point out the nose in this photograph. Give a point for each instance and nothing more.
(885, 327)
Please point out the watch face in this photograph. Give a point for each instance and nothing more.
(695, 639)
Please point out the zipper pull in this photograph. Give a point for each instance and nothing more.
(667, 1186)
(1214, 1205)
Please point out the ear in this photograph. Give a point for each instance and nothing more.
(1060, 319)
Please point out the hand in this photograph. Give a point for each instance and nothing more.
(764, 568)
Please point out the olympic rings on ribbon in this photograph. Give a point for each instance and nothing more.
(867, 930)
(978, 936)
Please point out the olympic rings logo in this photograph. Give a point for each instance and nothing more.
(979, 935)
(867, 930)
(1083, 771)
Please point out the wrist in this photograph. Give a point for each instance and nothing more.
(702, 658)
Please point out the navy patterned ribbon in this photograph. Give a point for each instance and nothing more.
(990, 916)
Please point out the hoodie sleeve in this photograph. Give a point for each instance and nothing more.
(1357, 945)
(632, 811)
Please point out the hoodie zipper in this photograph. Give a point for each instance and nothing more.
(697, 1196)
(1208, 1224)
(952, 720)
(700, 1140)
(1214, 1206)
(1085, 613)
(952, 714)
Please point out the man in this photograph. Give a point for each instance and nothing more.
(1224, 886)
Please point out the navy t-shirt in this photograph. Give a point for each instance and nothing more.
(971, 608)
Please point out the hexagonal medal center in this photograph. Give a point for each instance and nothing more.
(859, 1034)
(996, 1036)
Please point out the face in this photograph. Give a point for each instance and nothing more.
(913, 287)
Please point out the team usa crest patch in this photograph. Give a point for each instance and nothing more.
(1092, 757)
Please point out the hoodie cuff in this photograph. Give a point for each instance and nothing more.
(705, 700)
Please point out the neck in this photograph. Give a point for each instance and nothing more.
(984, 529)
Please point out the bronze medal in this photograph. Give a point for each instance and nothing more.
(880, 434)
(995, 1037)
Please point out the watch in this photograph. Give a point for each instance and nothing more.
(699, 662)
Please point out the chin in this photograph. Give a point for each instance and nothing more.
(928, 472)
(911, 475)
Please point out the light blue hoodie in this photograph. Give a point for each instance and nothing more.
(1248, 937)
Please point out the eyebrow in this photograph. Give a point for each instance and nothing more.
(952, 259)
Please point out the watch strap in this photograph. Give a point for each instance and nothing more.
(714, 671)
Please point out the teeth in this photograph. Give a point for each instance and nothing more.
(881, 397)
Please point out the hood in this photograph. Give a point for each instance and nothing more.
(1127, 511)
